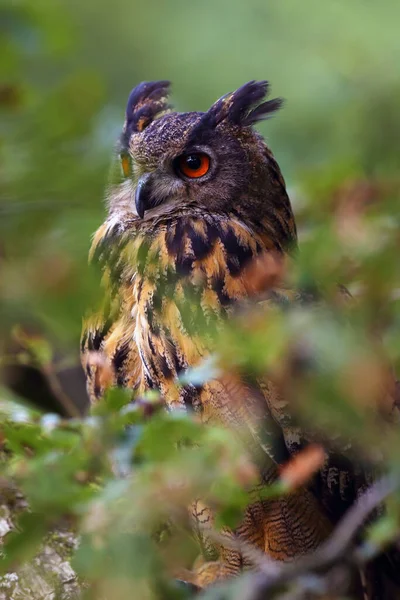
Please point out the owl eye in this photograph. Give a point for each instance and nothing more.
(193, 165)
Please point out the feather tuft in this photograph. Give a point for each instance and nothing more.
(146, 102)
(241, 107)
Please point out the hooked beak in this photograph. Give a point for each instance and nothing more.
(143, 198)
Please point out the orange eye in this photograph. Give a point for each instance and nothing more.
(126, 165)
(194, 165)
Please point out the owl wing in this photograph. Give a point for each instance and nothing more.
(109, 354)
(170, 290)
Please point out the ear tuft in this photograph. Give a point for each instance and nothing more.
(242, 107)
(145, 103)
(265, 110)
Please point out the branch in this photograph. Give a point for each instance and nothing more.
(307, 570)
(335, 548)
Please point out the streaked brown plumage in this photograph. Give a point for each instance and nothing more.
(175, 250)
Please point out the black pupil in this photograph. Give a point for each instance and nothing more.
(193, 162)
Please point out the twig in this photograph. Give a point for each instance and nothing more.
(355, 517)
(334, 549)
(260, 560)
(304, 571)
(64, 400)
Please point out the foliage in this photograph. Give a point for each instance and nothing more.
(117, 477)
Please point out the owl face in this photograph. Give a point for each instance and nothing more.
(212, 161)
(174, 163)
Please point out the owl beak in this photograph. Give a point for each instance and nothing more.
(143, 200)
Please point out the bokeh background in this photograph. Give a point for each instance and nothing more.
(67, 68)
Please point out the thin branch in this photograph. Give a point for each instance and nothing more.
(335, 548)
(304, 571)
(348, 527)
(62, 398)
(258, 558)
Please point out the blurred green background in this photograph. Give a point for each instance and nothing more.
(66, 69)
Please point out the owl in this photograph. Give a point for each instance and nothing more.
(199, 198)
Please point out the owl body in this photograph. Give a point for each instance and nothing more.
(201, 198)
(194, 236)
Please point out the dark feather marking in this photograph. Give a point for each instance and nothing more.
(179, 366)
(183, 265)
(174, 237)
(218, 285)
(229, 240)
(201, 245)
(95, 340)
(165, 368)
(148, 381)
(151, 345)
(120, 356)
(101, 334)
(121, 379)
(175, 242)
(236, 262)
(150, 365)
(234, 266)
(213, 231)
(238, 255)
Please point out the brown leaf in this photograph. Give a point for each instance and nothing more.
(302, 467)
(264, 272)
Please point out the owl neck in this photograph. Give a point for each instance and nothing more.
(193, 235)
(207, 257)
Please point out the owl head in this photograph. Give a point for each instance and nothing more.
(200, 162)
